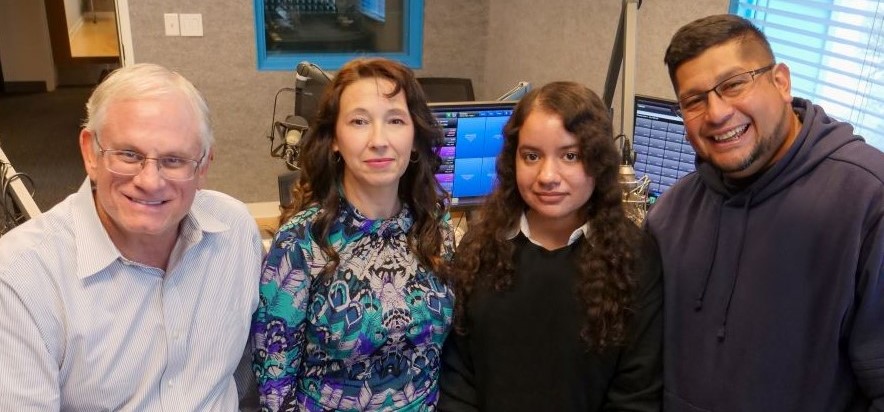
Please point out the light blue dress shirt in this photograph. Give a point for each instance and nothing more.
(84, 329)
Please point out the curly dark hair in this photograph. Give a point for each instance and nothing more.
(607, 262)
(321, 173)
(694, 38)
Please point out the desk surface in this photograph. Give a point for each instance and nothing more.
(266, 215)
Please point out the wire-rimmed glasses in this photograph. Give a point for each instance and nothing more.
(728, 89)
(130, 163)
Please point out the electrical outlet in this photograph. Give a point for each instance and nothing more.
(172, 26)
(191, 24)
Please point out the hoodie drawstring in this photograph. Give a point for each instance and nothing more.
(721, 333)
(722, 329)
(698, 301)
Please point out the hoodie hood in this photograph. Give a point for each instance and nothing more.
(814, 143)
(818, 138)
(777, 281)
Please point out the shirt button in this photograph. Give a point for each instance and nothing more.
(169, 383)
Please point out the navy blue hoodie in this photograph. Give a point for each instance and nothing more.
(774, 293)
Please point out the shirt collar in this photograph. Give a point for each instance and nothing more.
(95, 249)
(525, 230)
(201, 219)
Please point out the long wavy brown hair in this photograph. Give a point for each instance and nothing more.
(321, 172)
(606, 263)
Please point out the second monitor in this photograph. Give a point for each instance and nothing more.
(473, 136)
(662, 151)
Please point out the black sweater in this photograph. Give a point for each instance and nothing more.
(523, 350)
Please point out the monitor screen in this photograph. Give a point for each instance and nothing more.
(661, 150)
(473, 136)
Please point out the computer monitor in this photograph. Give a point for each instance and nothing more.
(473, 137)
(661, 150)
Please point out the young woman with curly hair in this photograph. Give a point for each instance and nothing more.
(558, 292)
(352, 315)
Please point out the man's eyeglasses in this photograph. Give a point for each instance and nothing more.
(130, 163)
(729, 89)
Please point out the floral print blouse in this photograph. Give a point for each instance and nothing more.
(368, 337)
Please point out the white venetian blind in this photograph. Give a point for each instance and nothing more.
(835, 50)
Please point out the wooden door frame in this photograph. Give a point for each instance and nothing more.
(124, 31)
(2, 82)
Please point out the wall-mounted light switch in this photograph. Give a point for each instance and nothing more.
(191, 24)
(171, 22)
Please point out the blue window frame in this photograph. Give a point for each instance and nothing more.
(329, 33)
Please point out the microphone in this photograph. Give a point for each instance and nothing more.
(295, 127)
(302, 75)
(291, 130)
(309, 80)
(307, 71)
(635, 191)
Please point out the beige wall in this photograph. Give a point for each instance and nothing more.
(223, 65)
(573, 40)
(489, 41)
(25, 50)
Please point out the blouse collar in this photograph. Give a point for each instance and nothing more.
(523, 228)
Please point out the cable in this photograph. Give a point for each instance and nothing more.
(627, 156)
(6, 223)
(11, 216)
(273, 115)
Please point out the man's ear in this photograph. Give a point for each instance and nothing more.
(202, 171)
(87, 150)
(782, 78)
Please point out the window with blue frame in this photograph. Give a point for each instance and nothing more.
(835, 50)
(328, 33)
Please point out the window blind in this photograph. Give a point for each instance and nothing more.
(835, 50)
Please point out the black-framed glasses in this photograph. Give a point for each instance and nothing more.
(130, 163)
(728, 90)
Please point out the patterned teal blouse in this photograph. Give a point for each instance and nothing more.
(367, 338)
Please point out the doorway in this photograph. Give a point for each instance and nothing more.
(85, 39)
(2, 82)
(95, 35)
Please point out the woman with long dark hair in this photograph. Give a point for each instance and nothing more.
(559, 293)
(352, 314)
